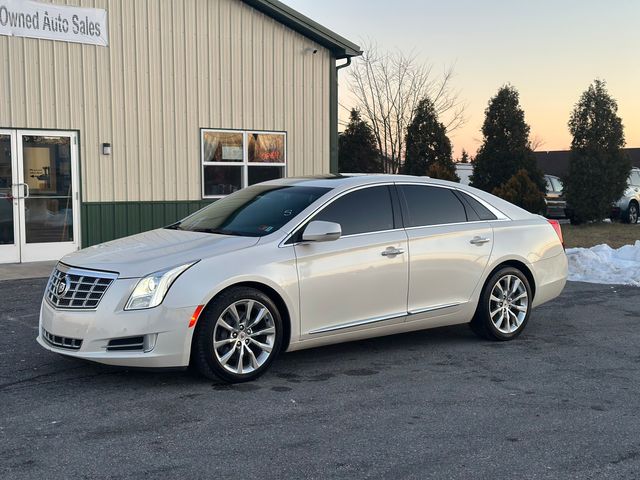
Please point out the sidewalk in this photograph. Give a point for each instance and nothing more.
(17, 271)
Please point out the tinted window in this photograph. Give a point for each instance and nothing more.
(253, 212)
(431, 206)
(483, 212)
(362, 211)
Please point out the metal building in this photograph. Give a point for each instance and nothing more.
(118, 116)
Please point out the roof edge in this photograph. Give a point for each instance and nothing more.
(339, 46)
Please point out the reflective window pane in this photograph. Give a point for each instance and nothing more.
(222, 180)
(266, 148)
(431, 206)
(222, 147)
(263, 174)
(47, 172)
(48, 220)
(365, 210)
(6, 202)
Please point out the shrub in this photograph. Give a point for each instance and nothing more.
(522, 191)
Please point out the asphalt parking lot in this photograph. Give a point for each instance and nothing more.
(562, 401)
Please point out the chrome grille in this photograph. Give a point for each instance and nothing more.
(77, 289)
(62, 342)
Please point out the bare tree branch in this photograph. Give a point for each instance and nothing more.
(388, 87)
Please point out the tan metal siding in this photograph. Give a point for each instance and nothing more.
(172, 67)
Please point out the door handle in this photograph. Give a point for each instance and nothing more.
(392, 252)
(479, 240)
(26, 191)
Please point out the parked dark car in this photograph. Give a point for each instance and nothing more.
(627, 208)
(554, 198)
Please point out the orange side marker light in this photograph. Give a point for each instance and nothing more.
(195, 316)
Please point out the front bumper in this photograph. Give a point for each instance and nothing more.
(166, 331)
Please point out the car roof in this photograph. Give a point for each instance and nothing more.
(340, 181)
(343, 182)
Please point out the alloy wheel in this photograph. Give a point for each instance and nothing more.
(633, 213)
(508, 304)
(244, 336)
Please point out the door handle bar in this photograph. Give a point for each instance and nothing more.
(479, 240)
(25, 191)
(390, 252)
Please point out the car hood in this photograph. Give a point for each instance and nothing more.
(149, 252)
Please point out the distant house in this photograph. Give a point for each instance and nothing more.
(556, 162)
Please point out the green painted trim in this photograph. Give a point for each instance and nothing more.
(338, 45)
(104, 221)
(333, 117)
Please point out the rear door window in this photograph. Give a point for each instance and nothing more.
(426, 205)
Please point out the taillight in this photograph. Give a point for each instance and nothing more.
(556, 226)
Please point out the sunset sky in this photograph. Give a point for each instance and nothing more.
(549, 50)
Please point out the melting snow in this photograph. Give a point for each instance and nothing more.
(603, 264)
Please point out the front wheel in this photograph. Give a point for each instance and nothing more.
(238, 336)
(505, 305)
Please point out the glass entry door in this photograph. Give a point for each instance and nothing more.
(9, 219)
(43, 195)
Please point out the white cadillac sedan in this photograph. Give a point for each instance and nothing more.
(299, 263)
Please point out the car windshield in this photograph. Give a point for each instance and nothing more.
(634, 178)
(252, 212)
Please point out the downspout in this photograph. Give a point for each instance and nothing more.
(333, 113)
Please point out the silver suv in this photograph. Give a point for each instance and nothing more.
(629, 204)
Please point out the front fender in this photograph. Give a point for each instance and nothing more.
(264, 264)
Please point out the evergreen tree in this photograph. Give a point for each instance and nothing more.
(506, 148)
(464, 157)
(428, 147)
(357, 147)
(598, 167)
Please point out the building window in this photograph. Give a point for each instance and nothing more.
(232, 160)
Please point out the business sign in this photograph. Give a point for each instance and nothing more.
(27, 18)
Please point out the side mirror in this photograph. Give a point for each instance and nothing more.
(319, 231)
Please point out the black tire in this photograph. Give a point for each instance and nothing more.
(632, 213)
(483, 325)
(203, 354)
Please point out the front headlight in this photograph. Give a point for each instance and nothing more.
(151, 290)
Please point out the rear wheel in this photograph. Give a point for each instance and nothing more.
(505, 305)
(238, 336)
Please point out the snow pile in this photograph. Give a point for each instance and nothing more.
(603, 264)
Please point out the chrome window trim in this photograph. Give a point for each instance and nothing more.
(473, 222)
(499, 215)
(294, 230)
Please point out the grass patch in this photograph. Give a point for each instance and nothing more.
(613, 234)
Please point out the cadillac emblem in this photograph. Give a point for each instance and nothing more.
(64, 285)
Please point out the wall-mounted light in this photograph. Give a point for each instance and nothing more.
(106, 149)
